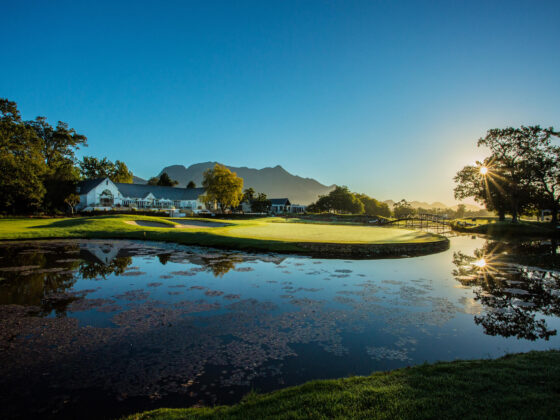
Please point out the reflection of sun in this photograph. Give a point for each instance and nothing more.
(483, 170)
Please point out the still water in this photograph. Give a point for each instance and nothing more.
(102, 328)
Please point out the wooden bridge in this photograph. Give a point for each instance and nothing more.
(424, 221)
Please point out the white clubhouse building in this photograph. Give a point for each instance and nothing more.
(104, 194)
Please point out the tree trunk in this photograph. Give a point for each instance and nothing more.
(501, 215)
(554, 212)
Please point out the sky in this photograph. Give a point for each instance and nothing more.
(386, 97)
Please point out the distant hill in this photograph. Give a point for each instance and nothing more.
(434, 205)
(138, 180)
(274, 182)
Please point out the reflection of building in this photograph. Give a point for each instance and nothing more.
(104, 194)
(102, 252)
(283, 205)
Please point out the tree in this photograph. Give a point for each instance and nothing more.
(165, 181)
(222, 187)
(72, 200)
(339, 200)
(191, 185)
(542, 164)
(248, 195)
(91, 168)
(471, 183)
(260, 204)
(22, 165)
(508, 147)
(153, 180)
(59, 146)
(120, 173)
(460, 213)
(403, 209)
(372, 207)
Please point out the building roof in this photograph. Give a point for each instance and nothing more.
(141, 191)
(159, 192)
(89, 184)
(280, 202)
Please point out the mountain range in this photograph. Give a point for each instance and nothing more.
(274, 182)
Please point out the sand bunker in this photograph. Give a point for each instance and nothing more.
(182, 224)
(148, 223)
(198, 223)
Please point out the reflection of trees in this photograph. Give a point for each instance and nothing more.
(220, 266)
(93, 269)
(513, 296)
(39, 278)
(164, 258)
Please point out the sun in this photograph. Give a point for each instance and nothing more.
(483, 170)
(481, 263)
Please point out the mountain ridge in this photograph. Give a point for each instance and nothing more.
(275, 181)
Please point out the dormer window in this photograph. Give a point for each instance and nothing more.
(106, 182)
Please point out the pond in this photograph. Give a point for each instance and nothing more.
(97, 328)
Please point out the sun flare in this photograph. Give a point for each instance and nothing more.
(483, 170)
(480, 263)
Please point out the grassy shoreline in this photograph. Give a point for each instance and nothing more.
(245, 235)
(525, 385)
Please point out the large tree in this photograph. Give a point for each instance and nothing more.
(471, 183)
(59, 146)
(542, 165)
(373, 207)
(22, 165)
(92, 167)
(260, 203)
(506, 165)
(166, 181)
(340, 200)
(403, 209)
(222, 187)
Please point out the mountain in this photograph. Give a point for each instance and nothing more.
(138, 180)
(274, 182)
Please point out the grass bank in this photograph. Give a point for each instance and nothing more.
(494, 227)
(266, 234)
(516, 386)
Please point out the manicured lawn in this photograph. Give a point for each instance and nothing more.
(259, 234)
(514, 387)
(308, 232)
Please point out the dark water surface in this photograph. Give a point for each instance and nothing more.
(98, 329)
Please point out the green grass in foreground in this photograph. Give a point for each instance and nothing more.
(513, 387)
(258, 234)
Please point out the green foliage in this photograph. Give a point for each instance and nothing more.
(223, 187)
(92, 167)
(22, 165)
(165, 181)
(373, 207)
(522, 172)
(191, 184)
(260, 204)
(153, 181)
(338, 200)
(403, 209)
(72, 200)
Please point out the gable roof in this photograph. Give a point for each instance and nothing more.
(159, 192)
(280, 201)
(89, 184)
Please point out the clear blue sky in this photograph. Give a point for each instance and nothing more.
(387, 97)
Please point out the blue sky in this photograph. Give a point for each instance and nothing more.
(387, 97)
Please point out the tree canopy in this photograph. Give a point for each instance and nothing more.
(92, 167)
(223, 187)
(520, 174)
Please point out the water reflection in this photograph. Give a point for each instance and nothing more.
(143, 322)
(516, 297)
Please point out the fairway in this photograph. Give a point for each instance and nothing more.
(265, 234)
(302, 232)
